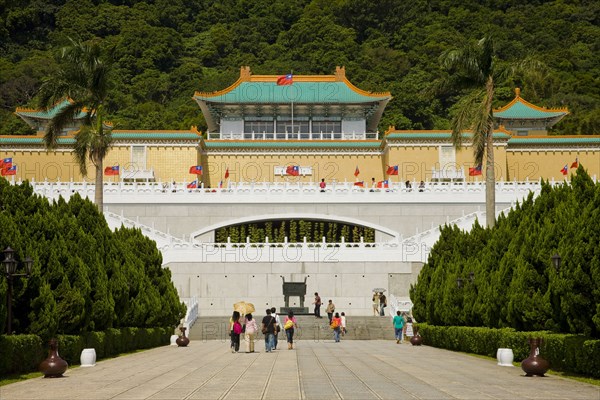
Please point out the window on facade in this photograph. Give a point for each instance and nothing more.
(138, 158)
(327, 126)
(258, 126)
(296, 127)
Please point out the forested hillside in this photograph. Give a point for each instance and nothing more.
(164, 50)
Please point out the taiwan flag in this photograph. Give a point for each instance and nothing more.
(383, 184)
(227, 173)
(285, 80)
(565, 170)
(196, 169)
(575, 163)
(360, 184)
(475, 171)
(392, 170)
(293, 170)
(114, 170)
(356, 171)
(192, 185)
(12, 170)
(6, 162)
(220, 184)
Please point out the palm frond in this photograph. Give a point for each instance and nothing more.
(465, 116)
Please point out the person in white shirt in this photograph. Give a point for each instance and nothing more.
(343, 318)
(277, 325)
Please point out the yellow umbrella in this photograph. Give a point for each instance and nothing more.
(243, 308)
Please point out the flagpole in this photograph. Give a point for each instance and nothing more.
(292, 74)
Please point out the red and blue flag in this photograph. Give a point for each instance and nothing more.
(293, 170)
(196, 169)
(114, 170)
(565, 170)
(392, 170)
(12, 170)
(192, 185)
(475, 171)
(285, 80)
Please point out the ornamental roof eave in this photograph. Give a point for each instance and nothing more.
(392, 134)
(292, 144)
(519, 109)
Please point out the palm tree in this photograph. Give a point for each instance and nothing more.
(83, 77)
(475, 67)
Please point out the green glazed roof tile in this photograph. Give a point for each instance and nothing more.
(437, 135)
(520, 110)
(298, 92)
(555, 140)
(47, 114)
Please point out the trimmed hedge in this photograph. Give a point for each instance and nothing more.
(565, 352)
(24, 353)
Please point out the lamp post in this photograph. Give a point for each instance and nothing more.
(10, 264)
(556, 261)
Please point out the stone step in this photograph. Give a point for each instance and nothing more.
(309, 328)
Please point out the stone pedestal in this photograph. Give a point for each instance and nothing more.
(295, 310)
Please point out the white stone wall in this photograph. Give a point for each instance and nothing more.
(349, 284)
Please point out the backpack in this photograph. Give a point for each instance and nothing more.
(334, 324)
(237, 328)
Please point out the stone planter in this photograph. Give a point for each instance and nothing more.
(505, 357)
(174, 340)
(416, 340)
(88, 358)
(535, 364)
(53, 366)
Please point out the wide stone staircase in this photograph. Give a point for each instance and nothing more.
(309, 328)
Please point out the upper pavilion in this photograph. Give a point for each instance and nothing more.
(525, 119)
(310, 107)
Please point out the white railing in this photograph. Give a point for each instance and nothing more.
(86, 189)
(191, 315)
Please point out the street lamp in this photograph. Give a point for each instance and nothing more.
(556, 261)
(10, 264)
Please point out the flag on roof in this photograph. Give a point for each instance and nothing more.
(114, 170)
(392, 170)
(565, 170)
(192, 185)
(360, 184)
(475, 171)
(285, 80)
(383, 184)
(196, 169)
(356, 171)
(6, 162)
(575, 163)
(293, 170)
(12, 170)
(227, 173)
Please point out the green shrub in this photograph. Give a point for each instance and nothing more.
(20, 353)
(565, 352)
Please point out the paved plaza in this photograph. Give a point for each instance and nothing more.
(354, 369)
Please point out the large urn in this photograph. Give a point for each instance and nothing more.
(535, 364)
(416, 340)
(182, 341)
(53, 366)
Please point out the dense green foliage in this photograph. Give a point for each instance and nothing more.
(85, 277)
(565, 352)
(295, 231)
(24, 353)
(166, 49)
(514, 282)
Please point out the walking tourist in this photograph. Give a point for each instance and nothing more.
(289, 325)
(336, 325)
(250, 333)
(330, 310)
(343, 318)
(235, 331)
(408, 328)
(317, 304)
(376, 303)
(277, 327)
(268, 328)
(382, 304)
(398, 327)
(322, 185)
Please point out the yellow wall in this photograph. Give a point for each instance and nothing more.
(415, 163)
(536, 164)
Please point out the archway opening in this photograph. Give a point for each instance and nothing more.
(295, 230)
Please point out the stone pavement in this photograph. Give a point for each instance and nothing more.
(354, 369)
